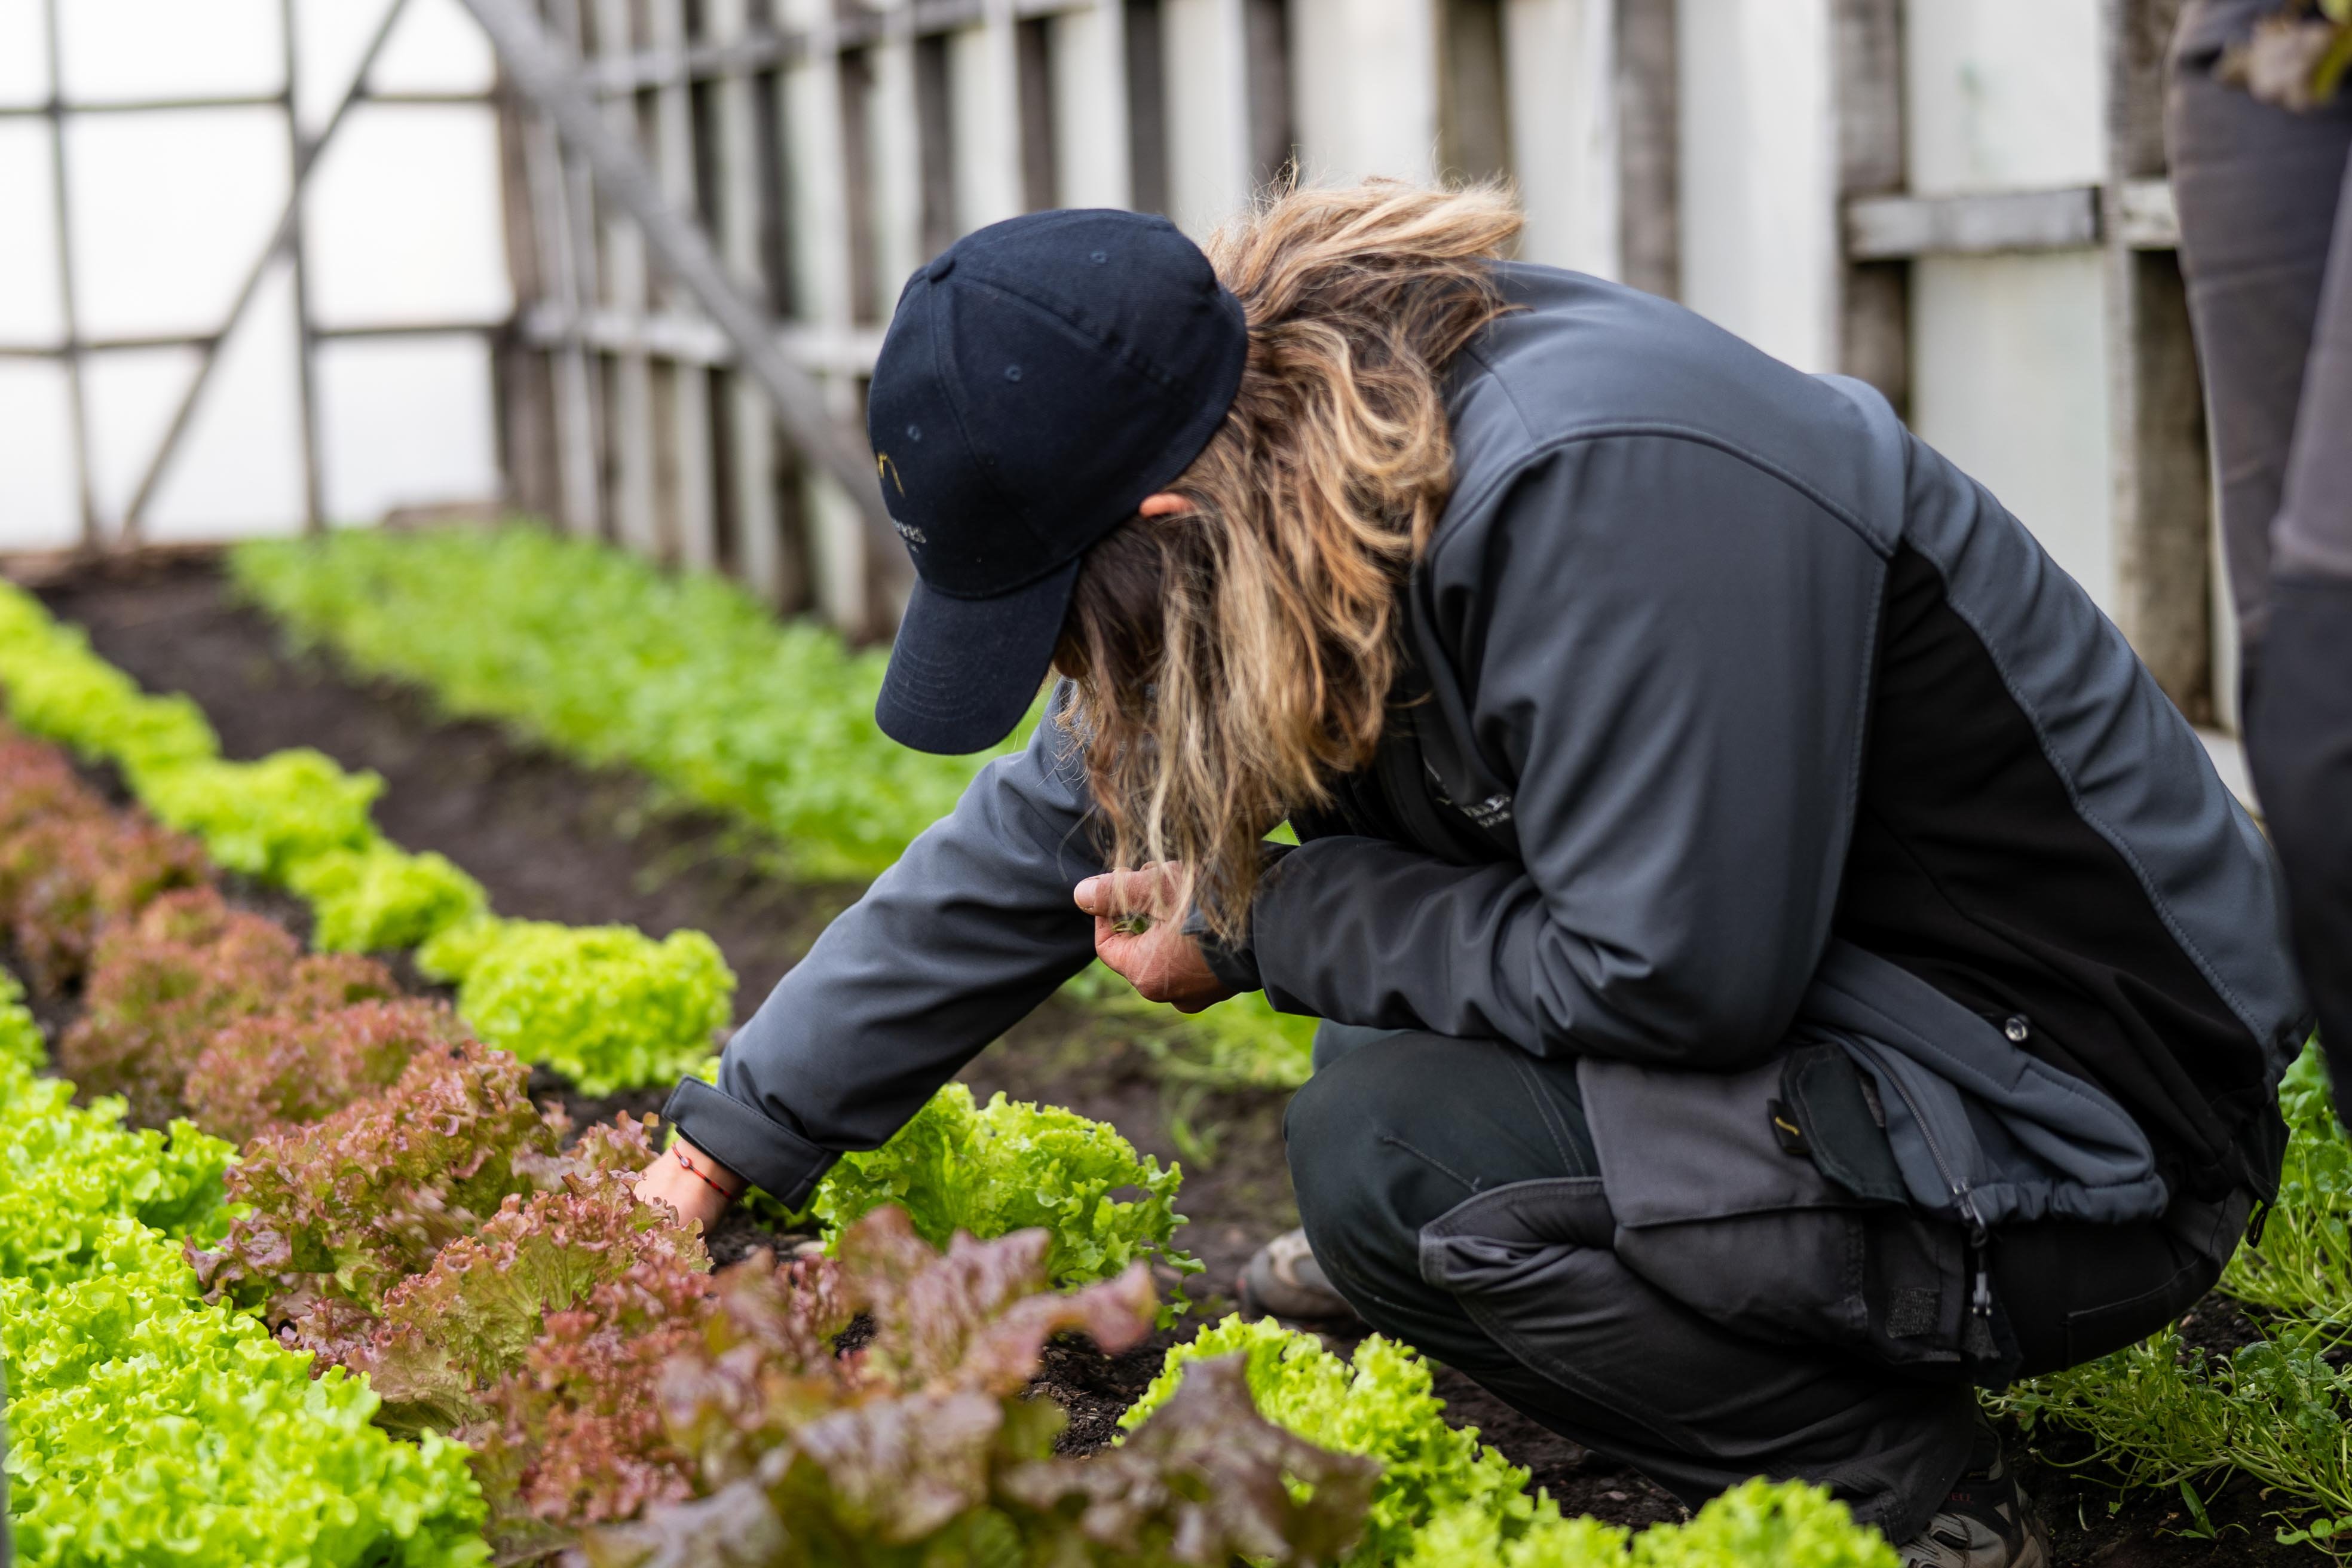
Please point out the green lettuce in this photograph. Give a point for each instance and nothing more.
(1009, 1165)
(146, 1428)
(379, 897)
(267, 818)
(607, 1006)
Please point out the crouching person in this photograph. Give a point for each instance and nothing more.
(1786, 964)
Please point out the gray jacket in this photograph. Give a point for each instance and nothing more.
(1716, 667)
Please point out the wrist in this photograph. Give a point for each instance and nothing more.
(700, 1167)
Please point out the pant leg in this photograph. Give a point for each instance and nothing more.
(1400, 1132)
(2257, 190)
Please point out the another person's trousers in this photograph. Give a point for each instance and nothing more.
(1402, 1138)
(2266, 249)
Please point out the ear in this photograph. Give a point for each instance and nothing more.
(1162, 505)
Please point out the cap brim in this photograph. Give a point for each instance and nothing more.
(963, 672)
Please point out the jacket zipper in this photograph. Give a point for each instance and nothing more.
(1978, 1339)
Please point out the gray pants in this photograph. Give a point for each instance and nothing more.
(1402, 1138)
(2266, 246)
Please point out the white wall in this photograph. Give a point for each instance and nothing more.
(169, 211)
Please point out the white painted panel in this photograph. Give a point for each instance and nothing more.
(1558, 53)
(404, 219)
(170, 212)
(2002, 94)
(1365, 73)
(170, 48)
(1759, 197)
(2008, 354)
(37, 506)
(983, 96)
(24, 53)
(1201, 44)
(1089, 108)
(129, 393)
(32, 310)
(405, 421)
(238, 471)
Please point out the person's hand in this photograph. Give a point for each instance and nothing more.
(1154, 955)
(702, 1193)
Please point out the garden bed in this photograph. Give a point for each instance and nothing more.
(552, 841)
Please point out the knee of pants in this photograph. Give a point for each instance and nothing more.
(1364, 1187)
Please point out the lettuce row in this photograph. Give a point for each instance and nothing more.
(685, 678)
(1446, 1500)
(693, 683)
(146, 1426)
(608, 1006)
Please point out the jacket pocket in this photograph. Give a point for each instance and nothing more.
(1719, 1191)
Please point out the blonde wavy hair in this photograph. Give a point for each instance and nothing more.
(1231, 659)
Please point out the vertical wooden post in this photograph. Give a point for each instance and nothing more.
(2161, 475)
(689, 390)
(894, 147)
(1649, 147)
(631, 406)
(306, 331)
(766, 567)
(1090, 106)
(563, 235)
(1205, 46)
(838, 540)
(1874, 319)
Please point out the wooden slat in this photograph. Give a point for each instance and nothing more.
(1206, 50)
(1649, 147)
(1882, 229)
(1874, 318)
(1089, 67)
(630, 409)
(766, 567)
(556, 229)
(839, 544)
(984, 109)
(2141, 214)
(2162, 477)
(690, 509)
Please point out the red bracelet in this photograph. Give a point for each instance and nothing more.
(685, 1163)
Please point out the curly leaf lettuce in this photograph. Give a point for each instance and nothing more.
(989, 1170)
(145, 1427)
(607, 1006)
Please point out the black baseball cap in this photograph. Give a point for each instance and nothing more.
(1040, 378)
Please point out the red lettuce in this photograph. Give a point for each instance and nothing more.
(161, 986)
(269, 1070)
(343, 1209)
(919, 1445)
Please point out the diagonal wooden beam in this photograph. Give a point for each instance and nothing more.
(547, 73)
(280, 238)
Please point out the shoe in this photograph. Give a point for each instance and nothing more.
(1282, 1280)
(1985, 1521)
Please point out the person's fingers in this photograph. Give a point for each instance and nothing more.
(1123, 892)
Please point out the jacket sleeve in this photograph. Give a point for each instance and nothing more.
(1669, 647)
(969, 931)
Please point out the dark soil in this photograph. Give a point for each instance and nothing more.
(552, 841)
